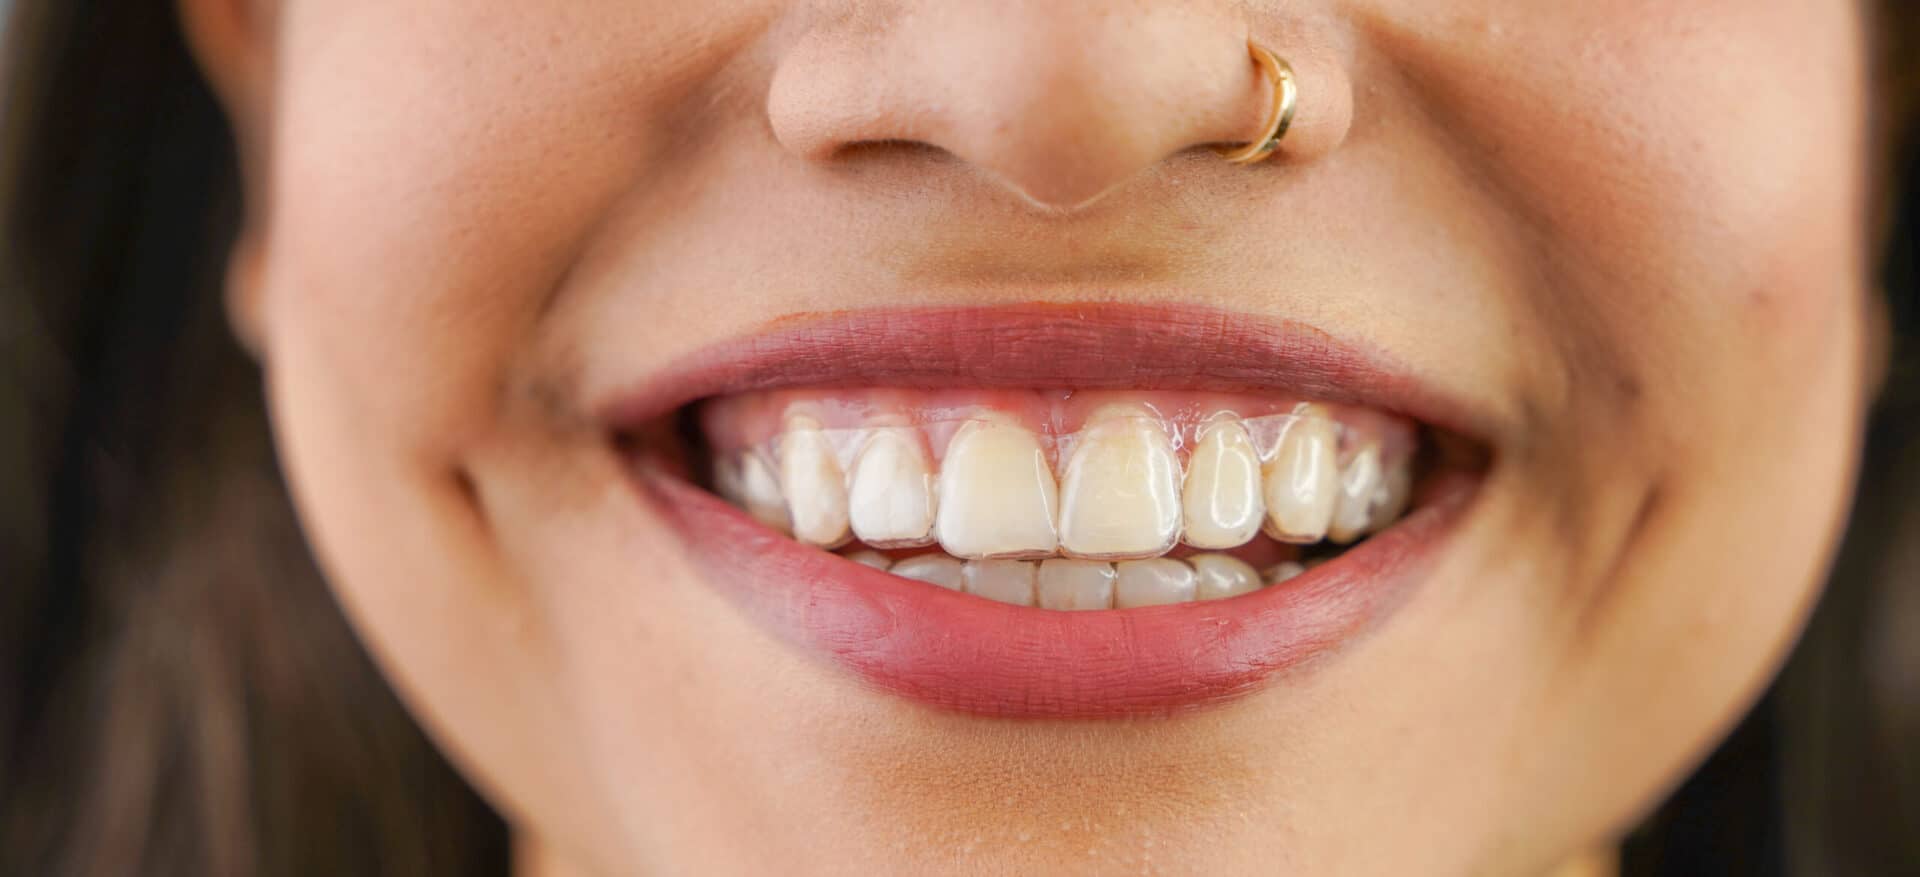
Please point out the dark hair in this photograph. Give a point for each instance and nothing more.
(180, 695)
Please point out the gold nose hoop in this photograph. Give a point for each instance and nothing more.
(1286, 98)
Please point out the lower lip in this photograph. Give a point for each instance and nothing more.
(959, 652)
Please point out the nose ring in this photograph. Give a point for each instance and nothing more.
(1286, 98)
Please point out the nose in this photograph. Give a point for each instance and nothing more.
(1060, 101)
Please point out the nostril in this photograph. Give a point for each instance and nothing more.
(886, 149)
(1057, 102)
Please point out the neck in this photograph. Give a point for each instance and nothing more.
(1604, 862)
(534, 859)
(531, 858)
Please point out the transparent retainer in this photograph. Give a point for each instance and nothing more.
(1266, 434)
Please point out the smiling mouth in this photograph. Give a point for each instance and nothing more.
(1073, 512)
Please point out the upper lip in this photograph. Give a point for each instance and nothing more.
(1043, 345)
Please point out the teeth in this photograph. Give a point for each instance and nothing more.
(1121, 494)
(1005, 581)
(1218, 576)
(815, 488)
(891, 501)
(1096, 538)
(870, 558)
(1280, 572)
(760, 493)
(1076, 584)
(1390, 499)
(1302, 480)
(1155, 582)
(1222, 498)
(997, 495)
(934, 569)
(1352, 512)
(726, 481)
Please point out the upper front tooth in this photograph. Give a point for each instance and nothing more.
(1121, 494)
(1007, 581)
(997, 495)
(1358, 483)
(760, 493)
(1156, 582)
(1302, 480)
(815, 487)
(1222, 575)
(1222, 499)
(891, 500)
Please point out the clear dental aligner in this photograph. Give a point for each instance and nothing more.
(1073, 520)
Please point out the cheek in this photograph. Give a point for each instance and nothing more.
(423, 208)
(426, 207)
(1687, 178)
(1690, 177)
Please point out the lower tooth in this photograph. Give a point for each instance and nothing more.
(1218, 576)
(1005, 581)
(1283, 571)
(1076, 584)
(934, 569)
(870, 558)
(1156, 582)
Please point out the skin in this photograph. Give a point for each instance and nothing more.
(1632, 231)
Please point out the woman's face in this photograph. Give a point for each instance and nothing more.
(963, 281)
